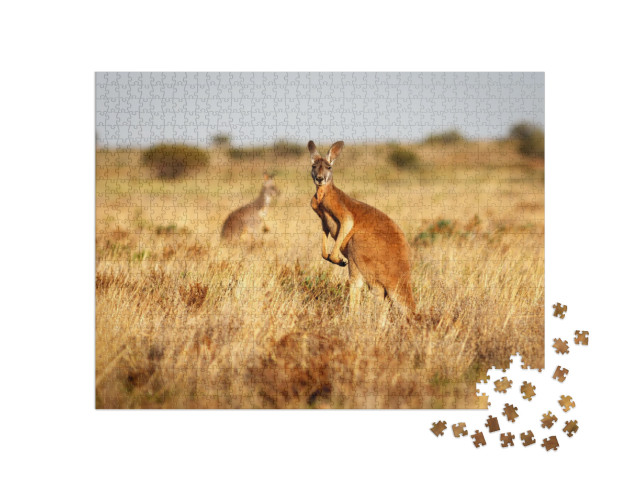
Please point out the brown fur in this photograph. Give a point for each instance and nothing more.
(250, 218)
(367, 240)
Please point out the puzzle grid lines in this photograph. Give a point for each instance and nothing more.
(212, 290)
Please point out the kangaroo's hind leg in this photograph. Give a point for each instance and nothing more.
(382, 302)
(356, 283)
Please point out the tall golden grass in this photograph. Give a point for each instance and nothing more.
(183, 321)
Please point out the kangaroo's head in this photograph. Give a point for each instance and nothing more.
(320, 166)
(269, 189)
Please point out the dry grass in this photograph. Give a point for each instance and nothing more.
(182, 321)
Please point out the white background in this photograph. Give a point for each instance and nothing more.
(50, 51)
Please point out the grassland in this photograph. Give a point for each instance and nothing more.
(185, 322)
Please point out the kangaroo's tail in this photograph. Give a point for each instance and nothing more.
(403, 295)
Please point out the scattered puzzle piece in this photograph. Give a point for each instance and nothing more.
(559, 310)
(551, 443)
(439, 427)
(560, 374)
(527, 390)
(548, 420)
(492, 424)
(478, 439)
(567, 403)
(459, 430)
(502, 385)
(510, 412)
(561, 347)
(527, 438)
(582, 337)
(570, 427)
(507, 439)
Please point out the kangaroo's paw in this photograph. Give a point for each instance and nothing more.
(338, 260)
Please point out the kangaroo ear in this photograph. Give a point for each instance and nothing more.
(313, 151)
(334, 151)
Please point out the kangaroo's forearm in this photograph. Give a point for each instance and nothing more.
(346, 240)
(325, 240)
(346, 227)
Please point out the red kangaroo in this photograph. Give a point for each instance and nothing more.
(366, 239)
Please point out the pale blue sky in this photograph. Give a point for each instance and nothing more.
(140, 109)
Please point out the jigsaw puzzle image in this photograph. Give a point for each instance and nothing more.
(320, 240)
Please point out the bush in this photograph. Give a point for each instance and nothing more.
(241, 153)
(283, 148)
(220, 140)
(440, 228)
(170, 161)
(530, 139)
(403, 158)
(445, 229)
(445, 138)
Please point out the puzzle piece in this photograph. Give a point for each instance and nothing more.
(561, 347)
(567, 403)
(559, 310)
(550, 443)
(507, 439)
(510, 412)
(527, 438)
(560, 374)
(570, 427)
(548, 420)
(459, 430)
(502, 385)
(439, 428)
(528, 390)
(478, 439)
(582, 337)
(492, 424)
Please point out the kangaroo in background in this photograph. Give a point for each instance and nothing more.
(366, 239)
(249, 218)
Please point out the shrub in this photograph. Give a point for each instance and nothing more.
(445, 138)
(220, 140)
(281, 148)
(166, 229)
(170, 161)
(447, 229)
(236, 153)
(530, 139)
(241, 153)
(284, 148)
(438, 229)
(403, 158)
